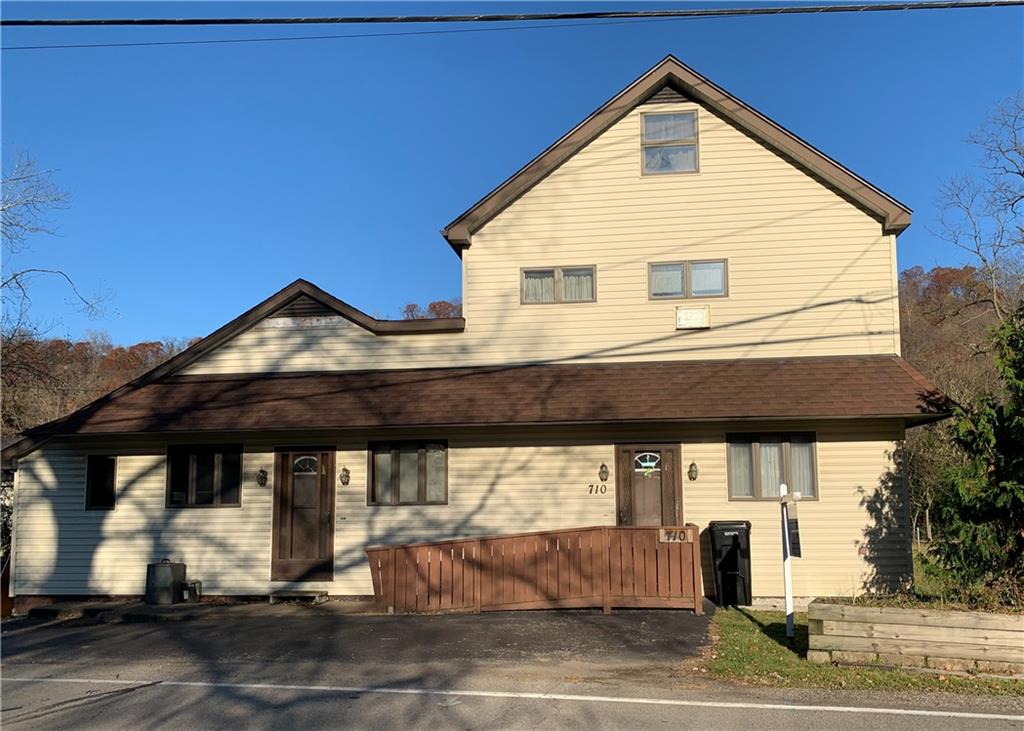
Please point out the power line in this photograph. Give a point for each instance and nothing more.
(517, 17)
(271, 39)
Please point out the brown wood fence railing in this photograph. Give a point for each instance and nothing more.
(604, 566)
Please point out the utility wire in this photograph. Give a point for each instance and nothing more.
(514, 17)
(600, 19)
(392, 34)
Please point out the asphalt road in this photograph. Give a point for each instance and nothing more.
(298, 667)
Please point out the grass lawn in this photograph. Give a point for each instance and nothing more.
(751, 647)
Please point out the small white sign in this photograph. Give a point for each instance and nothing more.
(693, 318)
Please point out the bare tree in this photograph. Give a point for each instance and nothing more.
(983, 214)
(1001, 139)
(29, 194)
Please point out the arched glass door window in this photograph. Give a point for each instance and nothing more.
(647, 462)
(305, 465)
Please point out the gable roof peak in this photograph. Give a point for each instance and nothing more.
(300, 288)
(670, 71)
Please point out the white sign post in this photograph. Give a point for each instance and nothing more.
(787, 550)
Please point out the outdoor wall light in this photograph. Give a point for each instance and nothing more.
(693, 472)
(602, 473)
(261, 477)
(345, 476)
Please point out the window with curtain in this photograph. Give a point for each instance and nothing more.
(669, 142)
(685, 279)
(408, 473)
(759, 463)
(558, 284)
(539, 286)
(204, 476)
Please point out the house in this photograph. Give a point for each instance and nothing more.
(673, 309)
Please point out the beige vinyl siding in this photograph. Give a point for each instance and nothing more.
(499, 482)
(63, 549)
(856, 534)
(809, 273)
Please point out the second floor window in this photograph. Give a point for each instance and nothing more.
(669, 143)
(547, 285)
(679, 279)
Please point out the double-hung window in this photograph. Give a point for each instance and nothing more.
(688, 279)
(759, 463)
(669, 143)
(408, 473)
(548, 285)
(204, 476)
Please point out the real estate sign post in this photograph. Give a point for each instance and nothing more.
(790, 547)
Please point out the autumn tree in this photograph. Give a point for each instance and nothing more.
(945, 320)
(58, 376)
(436, 310)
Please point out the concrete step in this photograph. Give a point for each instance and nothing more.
(315, 597)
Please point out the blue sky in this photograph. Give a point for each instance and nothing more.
(206, 177)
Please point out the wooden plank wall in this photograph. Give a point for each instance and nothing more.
(584, 567)
(927, 638)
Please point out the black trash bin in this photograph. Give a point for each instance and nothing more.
(164, 582)
(730, 559)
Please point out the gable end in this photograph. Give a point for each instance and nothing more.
(304, 306)
(668, 95)
(657, 85)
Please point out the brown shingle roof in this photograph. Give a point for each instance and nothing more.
(883, 386)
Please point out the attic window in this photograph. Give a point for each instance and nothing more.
(669, 143)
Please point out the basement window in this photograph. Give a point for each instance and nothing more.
(669, 143)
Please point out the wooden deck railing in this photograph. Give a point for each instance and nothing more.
(603, 566)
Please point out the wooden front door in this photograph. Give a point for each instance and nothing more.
(648, 484)
(303, 532)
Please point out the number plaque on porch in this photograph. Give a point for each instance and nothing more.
(674, 535)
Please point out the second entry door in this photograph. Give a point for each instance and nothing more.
(647, 485)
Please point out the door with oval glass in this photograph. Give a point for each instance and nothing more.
(647, 484)
(303, 532)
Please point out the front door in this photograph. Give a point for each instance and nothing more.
(303, 532)
(647, 484)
